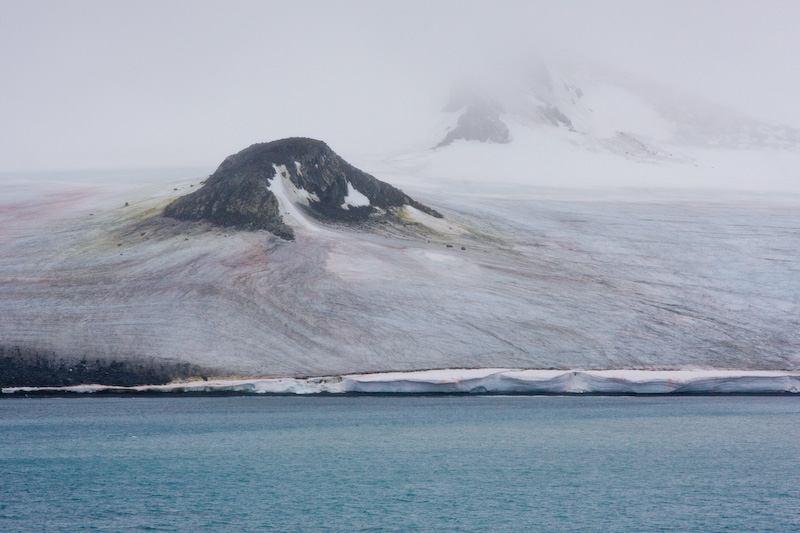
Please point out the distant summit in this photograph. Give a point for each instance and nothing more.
(479, 119)
(256, 187)
(599, 109)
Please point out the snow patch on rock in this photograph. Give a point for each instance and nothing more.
(440, 225)
(288, 195)
(354, 198)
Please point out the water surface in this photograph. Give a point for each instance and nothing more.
(400, 463)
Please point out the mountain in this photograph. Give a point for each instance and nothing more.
(255, 188)
(527, 122)
(479, 121)
(599, 106)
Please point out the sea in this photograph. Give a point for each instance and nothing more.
(400, 463)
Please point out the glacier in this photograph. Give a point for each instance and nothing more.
(512, 277)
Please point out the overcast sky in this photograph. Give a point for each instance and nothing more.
(125, 84)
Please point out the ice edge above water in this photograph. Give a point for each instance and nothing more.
(483, 380)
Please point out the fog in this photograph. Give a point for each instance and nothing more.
(133, 84)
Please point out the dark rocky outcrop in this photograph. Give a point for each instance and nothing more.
(22, 367)
(237, 194)
(479, 120)
(555, 116)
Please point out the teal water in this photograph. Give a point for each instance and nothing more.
(400, 464)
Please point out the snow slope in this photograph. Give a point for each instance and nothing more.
(513, 277)
(581, 126)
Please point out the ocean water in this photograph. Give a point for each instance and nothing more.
(425, 463)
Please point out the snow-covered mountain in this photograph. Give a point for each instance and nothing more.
(580, 126)
(611, 110)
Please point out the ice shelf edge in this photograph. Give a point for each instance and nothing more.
(479, 381)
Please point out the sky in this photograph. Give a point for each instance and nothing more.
(140, 84)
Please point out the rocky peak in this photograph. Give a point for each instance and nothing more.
(254, 188)
(479, 119)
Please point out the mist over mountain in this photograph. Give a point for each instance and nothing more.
(524, 120)
(89, 92)
(609, 109)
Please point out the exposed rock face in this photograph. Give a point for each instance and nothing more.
(21, 367)
(479, 120)
(555, 116)
(243, 192)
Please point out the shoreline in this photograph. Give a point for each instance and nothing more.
(484, 381)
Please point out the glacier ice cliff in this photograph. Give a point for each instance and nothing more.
(480, 381)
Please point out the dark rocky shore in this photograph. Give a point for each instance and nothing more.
(21, 367)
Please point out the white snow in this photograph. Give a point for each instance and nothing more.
(287, 194)
(354, 198)
(606, 109)
(440, 225)
(305, 196)
(625, 132)
(439, 257)
(488, 380)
